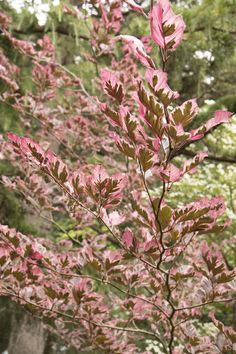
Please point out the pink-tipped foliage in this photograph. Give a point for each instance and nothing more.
(157, 80)
(136, 265)
(220, 117)
(112, 85)
(167, 28)
(134, 6)
(138, 50)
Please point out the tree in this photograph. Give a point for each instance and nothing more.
(144, 269)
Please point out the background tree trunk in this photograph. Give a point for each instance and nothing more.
(27, 335)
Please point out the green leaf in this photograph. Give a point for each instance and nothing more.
(126, 149)
(50, 292)
(165, 216)
(145, 158)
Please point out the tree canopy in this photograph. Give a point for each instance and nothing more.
(113, 180)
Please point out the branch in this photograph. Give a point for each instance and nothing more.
(87, 276)
(224, 159)
(42, 30)
(151, 202)
(81, 318)
(212, 302)
(217, 29)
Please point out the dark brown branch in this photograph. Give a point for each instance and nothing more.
(75, 319)
(225, 159)
(205, 304)
(42, 30)
(201, 29)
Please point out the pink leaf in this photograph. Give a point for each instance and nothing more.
(184, 114)
(112, 85)
(115, 218)
(27, 148)
(134, 6)
(4, 20)
(196, 137)
(219, 118)
(128, 238)
(99, 174)
(156, 143)
(190, 165)
(35, 255)
(171, 173)
(107, 75)
(138, 50)
(158, 81)
(167, 28)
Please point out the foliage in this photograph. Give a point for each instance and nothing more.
(142, 266)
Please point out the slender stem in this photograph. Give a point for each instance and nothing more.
(161, 231)
(93, 51)
(48, 129)
(173, 310)
(74, 275)
(212, 302)
(50, 219)
(167, 275)
(101, 220)
(81, 318)
(68, 72)
(150, 199)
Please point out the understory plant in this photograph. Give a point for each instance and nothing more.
(145, 272)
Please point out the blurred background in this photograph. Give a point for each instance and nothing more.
(204, 66)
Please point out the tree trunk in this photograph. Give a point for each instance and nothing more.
(27, 336)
